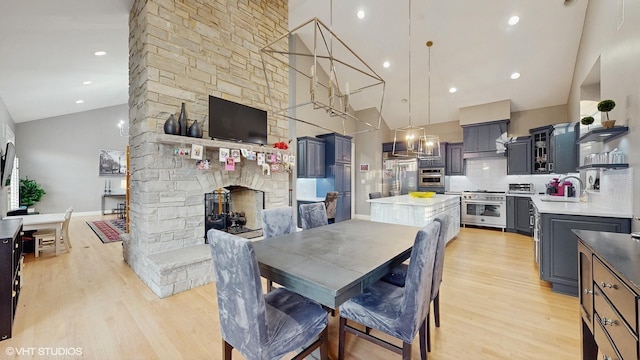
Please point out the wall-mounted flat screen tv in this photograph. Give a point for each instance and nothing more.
(236, 122)
(7, 164)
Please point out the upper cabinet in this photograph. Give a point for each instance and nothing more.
(554, 149)
(338, 148)
(454, 159)
(311, 158)
(519, 156)
(480, 140)
(437, 162)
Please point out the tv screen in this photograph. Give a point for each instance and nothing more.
(7, 163)
(236, 122)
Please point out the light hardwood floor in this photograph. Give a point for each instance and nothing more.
(493, 306)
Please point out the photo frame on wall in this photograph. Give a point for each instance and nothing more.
(112, 163)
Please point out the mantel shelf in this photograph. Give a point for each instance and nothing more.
(603, 135)
(207, 143)
(604, 166)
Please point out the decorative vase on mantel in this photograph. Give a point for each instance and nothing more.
(195, 130)
(171, 126)
(182, 120)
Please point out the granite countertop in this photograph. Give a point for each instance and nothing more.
(408, 200)
(575, 207)
(620, 251)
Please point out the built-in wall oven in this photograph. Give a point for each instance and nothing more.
(431, 177)
(484, 208)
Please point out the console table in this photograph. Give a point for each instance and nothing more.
(115, 196)
(609, 283)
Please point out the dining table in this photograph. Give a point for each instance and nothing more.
(42, 222)
(331, 264)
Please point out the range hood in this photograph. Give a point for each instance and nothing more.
(484, 129)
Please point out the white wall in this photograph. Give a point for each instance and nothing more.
(61, 154)
(5, 121)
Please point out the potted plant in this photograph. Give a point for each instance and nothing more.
(587, 120)
(605, 106)
(30, 192)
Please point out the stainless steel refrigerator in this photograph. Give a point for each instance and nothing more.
(399, 176)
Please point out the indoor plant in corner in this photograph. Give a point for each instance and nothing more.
(605, 106)
(30, 192)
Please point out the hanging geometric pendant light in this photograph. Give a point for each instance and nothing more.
(431, 142)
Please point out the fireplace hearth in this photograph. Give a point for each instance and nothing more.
(234, 209)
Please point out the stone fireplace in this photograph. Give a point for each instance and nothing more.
(182, 52)
(234, 209)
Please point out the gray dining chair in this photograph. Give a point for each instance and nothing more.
(375, 195)
(276, 222)
(398, 275)
(400, 312)
(313, 215)
(261, 326)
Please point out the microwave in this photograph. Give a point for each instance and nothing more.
(432, 177)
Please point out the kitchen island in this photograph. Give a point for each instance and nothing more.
(407, 210)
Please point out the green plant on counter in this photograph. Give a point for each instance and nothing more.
(30, 192)
(605, 106)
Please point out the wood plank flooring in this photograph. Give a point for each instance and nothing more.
(493, 306)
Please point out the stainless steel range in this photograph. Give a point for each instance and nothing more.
(484, 208)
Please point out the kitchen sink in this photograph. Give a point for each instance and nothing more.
(561, 199)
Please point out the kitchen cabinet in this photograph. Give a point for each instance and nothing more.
(437, 162)
(555, 149)
(609, 295)
(519, 159)
(559, 260)
(11, 262)
(337, 173)
(311, 158)
(454, 159)
(519, 217)
(480, 140)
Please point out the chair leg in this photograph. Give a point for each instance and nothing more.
(406, 351)
(367, 330)
(269, 286)
(428, 333)
(343, 322)
(422, 336)
(226, 350)
(436, 309)
(324, 344)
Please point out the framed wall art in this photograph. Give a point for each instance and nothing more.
(112, 163)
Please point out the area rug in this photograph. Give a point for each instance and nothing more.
(108, 230)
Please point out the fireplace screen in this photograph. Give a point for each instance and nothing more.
(234, 209)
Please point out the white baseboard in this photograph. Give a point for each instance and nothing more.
(362, 217)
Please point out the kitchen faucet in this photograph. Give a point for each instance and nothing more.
(582, 188)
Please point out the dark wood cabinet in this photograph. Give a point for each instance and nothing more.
(519, 216)
(454, 159)
(519, 159)
(11, 262)
(311, 158)
(609, 295)
(558, 261)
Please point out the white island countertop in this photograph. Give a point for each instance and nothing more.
(558, 205)
(436, 199)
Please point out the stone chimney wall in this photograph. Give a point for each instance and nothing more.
(182, 51)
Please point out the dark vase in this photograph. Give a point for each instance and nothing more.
(171, 126)
(195, 130)
(182, 120)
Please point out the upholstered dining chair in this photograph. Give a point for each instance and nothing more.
(398, 275)
(397, 311)
(260, 326)
(46, 239)
(313, 215)
(330, 203)
(375, 195)
(276, 222)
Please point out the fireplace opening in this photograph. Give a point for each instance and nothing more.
(234, 209)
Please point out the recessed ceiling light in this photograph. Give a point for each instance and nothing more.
(515, 75)
(360, 14)
(79, 101)
(514, 20)
(386, 64)
(452, 90)
(100, 53)
(86, 82)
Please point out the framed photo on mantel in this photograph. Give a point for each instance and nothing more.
(112, 163)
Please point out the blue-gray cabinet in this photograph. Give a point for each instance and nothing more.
(338, 173)
(519, 159)
(519, 217)
(480, 139)
(559, 255)
(311, 158)
(454, 160)
(555, 148)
